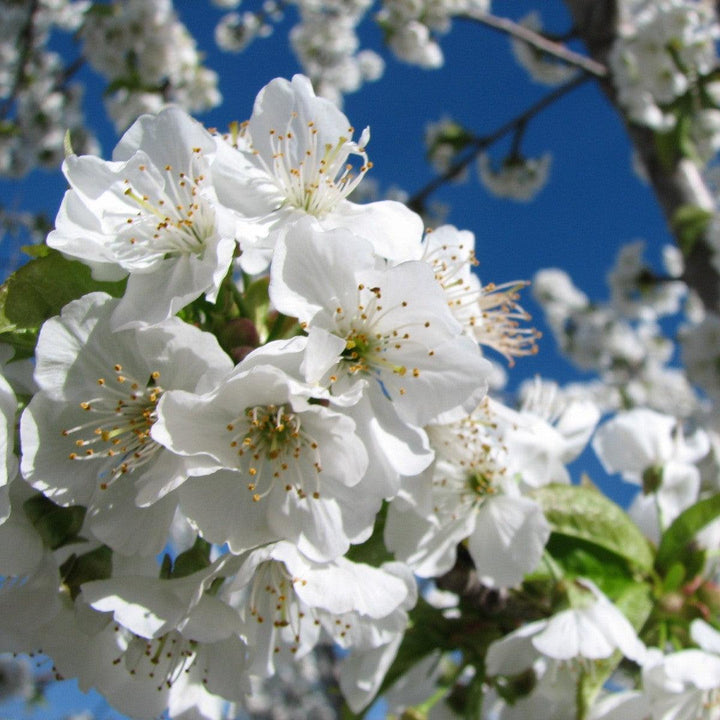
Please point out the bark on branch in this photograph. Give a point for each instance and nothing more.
(680, 184)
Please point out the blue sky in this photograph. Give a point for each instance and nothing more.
(592, 205)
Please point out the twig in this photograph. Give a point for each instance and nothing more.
(417, 201)
(24, 41)
(539, 41)
(70, 70)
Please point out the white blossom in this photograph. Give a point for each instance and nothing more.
(518, 178)
(151, 214)
(295, 159)
(265, 464)
(390, 327)
(467, 494)
(86, 434)
(541, 67)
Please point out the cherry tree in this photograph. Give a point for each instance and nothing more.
(258, 444)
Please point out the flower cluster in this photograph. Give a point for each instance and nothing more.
(149, 57)
(38, 101)
(326, 42)
(662, 63)
(540, 67)
(259, 410)
(623, 340)
(413, 27)
(145, 54)
(276, 364)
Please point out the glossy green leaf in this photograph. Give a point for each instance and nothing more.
(42, 287)
(192, 560)
(579, 558)
(79, 569)
(373, 551)
(585, 513)
(677, 543)
(57, 526)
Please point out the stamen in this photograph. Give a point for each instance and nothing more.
(118, 431)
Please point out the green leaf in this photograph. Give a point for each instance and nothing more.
(579, 558)
(5, 325)
(57, 526)
(585, 513)
(636, 603)
(192, 560)
(677, 543)
(257, 301)
(166, 567)
(373, 551)
(79, 569)
(674, 578)
(42, 287)
(686, 143)
(689, 224)
(36, 251)
(667, 146)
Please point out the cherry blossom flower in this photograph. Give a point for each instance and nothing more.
(518, 178)
(685, 685)
(86, 434)
(288, 604)
(266, 464)
(151, 644)
(548, 432)
(490, 314)
(650, 449)
(393, 334)
(152, 214)
(467, 493)
(293, 159)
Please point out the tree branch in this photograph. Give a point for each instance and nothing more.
(25, 42)
(675, 186)
(417, 201)
(539, 41)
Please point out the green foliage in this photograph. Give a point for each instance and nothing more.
(678, 542)
(689, 224)
(79, 569)
(257, 304)
(57, 526)
(42, 287)
(188, 562)
(373, 551)
(586, 514)
(583, 559)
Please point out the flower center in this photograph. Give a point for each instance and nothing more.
(315, 177)
(273, 598)
(177, 221)
(480, 484)
(162, 659)
(273, 447)
(469, 467)
(118, 432)
(370, 347)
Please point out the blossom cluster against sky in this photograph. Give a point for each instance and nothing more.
(592, 204)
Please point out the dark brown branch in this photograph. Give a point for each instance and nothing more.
(540, 42)
(417, 201)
